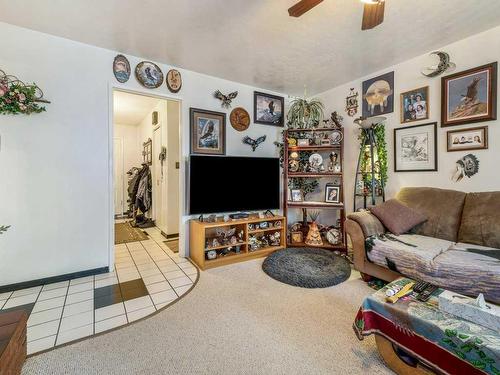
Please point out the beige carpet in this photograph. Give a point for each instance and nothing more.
(237, 320)
(124, 233)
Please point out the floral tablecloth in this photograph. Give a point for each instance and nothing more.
(445, 342)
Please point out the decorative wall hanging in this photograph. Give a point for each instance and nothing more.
(268, 109)
(467, 166)
(415, 105)
(415, 148)
(254, 143)
(351, 103)
(4, 228)
(334, 122)
(469, 96)
(149, 74)
(121, 68)
(378, 95)
(154, 118)
(208, 132)
(225, 99)
(468, 139)
(174, 80)
(240, 119)
(444, 65)
(147, 152)
(18, 97)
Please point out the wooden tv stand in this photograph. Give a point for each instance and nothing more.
(200, 232)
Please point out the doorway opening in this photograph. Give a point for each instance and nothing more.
(146, 168)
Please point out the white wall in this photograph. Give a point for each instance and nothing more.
(56, 184)
(468, 53)
(132, 156)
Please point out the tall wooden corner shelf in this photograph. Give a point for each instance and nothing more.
(324, 176)
(200, 231)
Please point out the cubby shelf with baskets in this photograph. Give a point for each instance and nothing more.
(325, 177)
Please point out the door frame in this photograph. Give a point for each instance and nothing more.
(122, 173)
(112, 87)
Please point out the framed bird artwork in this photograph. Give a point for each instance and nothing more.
(268, 109)
(469, 96)
(208, 132)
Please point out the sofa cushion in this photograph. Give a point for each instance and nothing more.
(481, 219)
(443, 209)
(409, 254)
(397, 217)
(468, 269)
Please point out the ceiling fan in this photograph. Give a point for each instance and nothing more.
(373, 13)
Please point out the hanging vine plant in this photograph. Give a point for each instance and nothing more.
(17, 97)
(3, 228)
(381, 162)
(305, 114)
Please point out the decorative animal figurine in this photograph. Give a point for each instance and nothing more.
(254, 143)
(225, 235)
(444, 65)
(225, 99)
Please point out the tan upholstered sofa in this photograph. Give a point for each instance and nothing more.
(457, 248)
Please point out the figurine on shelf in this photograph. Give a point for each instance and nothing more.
(336, 120)
(237, 249)
(333, 161)
(212, 254)
(275, 239)
(292, 142)
(225, 235)
(264, 242)
(225, 251)
(240, 236)
(215, 242)
(277, 224)
(253, 243)
(233, 240)
(264, 225)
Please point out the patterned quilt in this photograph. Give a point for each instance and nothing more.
(446, 343)
(462, 268)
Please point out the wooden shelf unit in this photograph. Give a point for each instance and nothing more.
(287, 204)
(201, 231)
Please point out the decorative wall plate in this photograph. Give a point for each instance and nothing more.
(315, 160)
(240, 119)
(149, 74)
(121, 68)
(174, 80)
(336, 137)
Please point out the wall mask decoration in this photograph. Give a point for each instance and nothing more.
(225, 99)
(18, 97)
(268, 109)
(149, 74)
(378, 95)
(254, 143)
(240, 119)
(208, 132)
(444, 65)
(121, 68)
(469, 96)
(467, 166)
(351, 103)
(174, 80)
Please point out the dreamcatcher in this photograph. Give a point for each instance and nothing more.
(19, 97)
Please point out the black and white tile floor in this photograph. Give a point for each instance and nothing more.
(148, 277)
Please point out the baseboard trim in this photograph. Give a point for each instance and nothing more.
(52, 279)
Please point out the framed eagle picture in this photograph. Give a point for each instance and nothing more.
(268, 109)
(469, 96)
(208, 132)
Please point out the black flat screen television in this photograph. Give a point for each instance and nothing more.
(219, 184)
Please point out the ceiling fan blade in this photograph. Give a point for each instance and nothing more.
(373, 15)
(302, 6)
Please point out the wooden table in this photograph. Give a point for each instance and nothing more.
(12, 341)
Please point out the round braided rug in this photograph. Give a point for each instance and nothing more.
(307, 267)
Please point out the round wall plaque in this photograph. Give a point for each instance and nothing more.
(174, 80)
(240, 119)
(121, 68)
(149, 74)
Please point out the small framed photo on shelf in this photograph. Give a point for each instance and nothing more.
(303, 142)
(296, 195)
(468, 139)
(296, 237)
(332, 194)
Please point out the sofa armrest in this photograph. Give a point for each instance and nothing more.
(359, 226)
(369, 223)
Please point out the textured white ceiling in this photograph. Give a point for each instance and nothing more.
(255, 41)
(131, 109)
